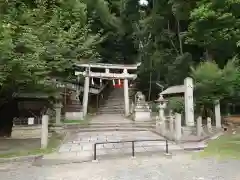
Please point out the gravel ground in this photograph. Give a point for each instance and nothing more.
(179, 167)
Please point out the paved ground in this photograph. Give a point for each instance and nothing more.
(180, 167)
(80, 145)
(110, 118)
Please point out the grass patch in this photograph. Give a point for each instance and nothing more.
(84, 121)
(226, 146)
(54, 141)
(66, 121)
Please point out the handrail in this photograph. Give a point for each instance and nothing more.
(129, 141)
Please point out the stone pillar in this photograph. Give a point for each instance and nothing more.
(217, 114)
(209, 124)
(44, 132)
(162, 118)
(58, 108)
(132, 108)
(161, 113)
(178, 126)
(189, 107)
(85, 95)
(199, 126)
(126, 94)
(171, 122)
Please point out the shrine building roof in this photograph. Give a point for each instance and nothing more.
(174, 90)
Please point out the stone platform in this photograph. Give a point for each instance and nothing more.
(79, 147)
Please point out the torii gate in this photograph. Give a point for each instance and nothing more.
(125, 75)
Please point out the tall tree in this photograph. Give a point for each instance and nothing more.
(41, 39)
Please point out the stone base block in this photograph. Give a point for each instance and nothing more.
(189, 130)
(74, 115)
(24, 132)
(142, 116)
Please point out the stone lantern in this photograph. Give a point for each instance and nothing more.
(162, 104)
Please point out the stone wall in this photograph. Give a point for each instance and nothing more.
(232, 119)
(24, 132)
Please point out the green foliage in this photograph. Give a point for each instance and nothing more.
(215, 27)
(213, 83)
(176, 104)
(40, 39)
(178, 34)
(43, 39)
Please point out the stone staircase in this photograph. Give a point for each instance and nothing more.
(111, 122)
(114, 103)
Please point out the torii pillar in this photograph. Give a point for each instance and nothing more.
(126, 94)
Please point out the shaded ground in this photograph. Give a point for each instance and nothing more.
(23, 147)
(180, 167)
(16, 145)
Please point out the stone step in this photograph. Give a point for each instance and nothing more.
(122, 123)
(109, 105)
(119, 126)
(107, 109)
(116, 104)
(102, 129)
(116, 99)
(111, 110)
(112, 123)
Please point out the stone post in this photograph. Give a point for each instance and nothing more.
(44, 132)
(161, 113)
(199, 126)
(178, 126)
(126, 94)
(217, 114)
(171, 122)
(58, 108)
(188, 96)
(85, 94)
(209, 124)
(132, 108)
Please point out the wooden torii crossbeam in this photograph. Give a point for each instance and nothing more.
(109, 66)
(125, 75)
(107, 75)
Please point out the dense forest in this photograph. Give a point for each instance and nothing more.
(172, 38)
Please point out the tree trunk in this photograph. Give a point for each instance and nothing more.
(179, 37)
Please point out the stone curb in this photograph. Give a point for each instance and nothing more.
(107, 129)
(21, 158)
